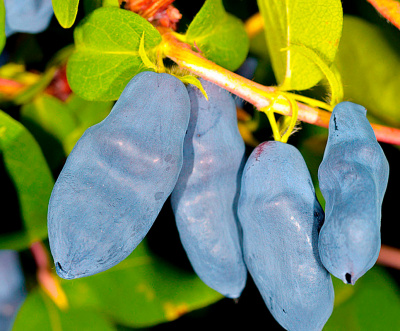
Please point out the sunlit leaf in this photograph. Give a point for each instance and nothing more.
(65, 11)
(107, 52)
(219, 35)
(315, 24)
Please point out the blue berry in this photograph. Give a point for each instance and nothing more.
(30, 16)
(353, 177)
(205, 197)
(280, 217)
(118, 176)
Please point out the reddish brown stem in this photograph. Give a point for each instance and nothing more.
(46, 279)
(389, 257)
(389, 9)
(40, 255)
(258, 95)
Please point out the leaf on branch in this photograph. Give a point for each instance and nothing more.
(315, 24)
(107, 52)
(332, 75)
(65, 11)
(219, 35)
(33, 182)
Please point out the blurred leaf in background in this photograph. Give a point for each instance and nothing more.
(369, 66)
(58, 125)
(140, 291)
(28, 170)
(372, 304)
(40, 313)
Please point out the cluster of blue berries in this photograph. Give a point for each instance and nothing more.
(262, 215)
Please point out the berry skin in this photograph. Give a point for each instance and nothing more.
(353, 177)
(205, 197)
(30, 16)
(118, 176)
(280, 217)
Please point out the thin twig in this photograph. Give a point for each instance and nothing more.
(389, 257)
(46, 279)
(258, 95)
(389, 9)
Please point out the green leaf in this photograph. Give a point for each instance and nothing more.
(195, 82)
(51, 122)
(32, 179)
(219, 35)
(331, 75)
(373, 303)
(57, 125)
(314, 24)
(91, 5)
(107, 52)
(38, 312)
(65, 11)
(2, 25)
(87, 113)
(369, 66)
(143, 56)
(141, 291)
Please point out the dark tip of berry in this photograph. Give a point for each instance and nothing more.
(58, 266)
(348, 278)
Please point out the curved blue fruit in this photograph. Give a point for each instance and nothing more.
(118, 176)
(353, 177)
(30, 16)
(205, 197)
(280, 217)
(12, 288)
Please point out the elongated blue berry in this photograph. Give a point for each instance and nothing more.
(205, 197)
(353, 177)
(31, 16)
(280, 217)
(118, 176)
